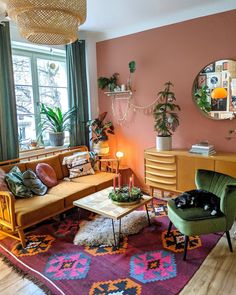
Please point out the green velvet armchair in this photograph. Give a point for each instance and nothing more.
(195, 221)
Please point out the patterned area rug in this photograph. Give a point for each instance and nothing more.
(146, 263)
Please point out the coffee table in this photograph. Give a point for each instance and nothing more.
(100, 203)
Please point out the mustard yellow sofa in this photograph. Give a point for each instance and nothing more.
(19, 214)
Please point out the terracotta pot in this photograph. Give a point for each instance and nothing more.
(164, 143)
(101, 148)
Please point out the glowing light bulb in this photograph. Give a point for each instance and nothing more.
(119, 155)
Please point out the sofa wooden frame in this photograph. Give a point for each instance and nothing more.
(8, 226)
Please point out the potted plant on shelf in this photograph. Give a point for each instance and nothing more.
(166, 118)
(202, 99)
(132, 69)
(108, 83)
(56, 123)
(100, 131)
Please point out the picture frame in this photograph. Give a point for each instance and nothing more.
(225, 66)
(202, 79)
(209, 69)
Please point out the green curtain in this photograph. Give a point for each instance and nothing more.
(77, 91)
(9, 147)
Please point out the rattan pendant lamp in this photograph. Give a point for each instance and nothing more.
(51, 22)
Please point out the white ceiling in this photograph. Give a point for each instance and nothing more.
(111, 18)
(107, 19)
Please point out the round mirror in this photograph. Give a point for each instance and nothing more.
(214, 90)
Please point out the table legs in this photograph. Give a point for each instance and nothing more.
(116, 242)
(149, 222)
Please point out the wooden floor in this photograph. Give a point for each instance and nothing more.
(217, 275)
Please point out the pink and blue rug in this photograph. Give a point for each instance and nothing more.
(147, 263)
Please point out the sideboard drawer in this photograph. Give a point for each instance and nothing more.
(160, 170)
(225, 167)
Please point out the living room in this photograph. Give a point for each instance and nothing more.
(130, 57)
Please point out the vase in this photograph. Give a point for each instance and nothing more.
(163, 143)
(101, 148)
(56, 139)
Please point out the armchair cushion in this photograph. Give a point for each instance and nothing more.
(189, 226)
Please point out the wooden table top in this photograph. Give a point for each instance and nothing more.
(100, 203)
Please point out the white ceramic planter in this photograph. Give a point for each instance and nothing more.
(164, 143)
(101, 148)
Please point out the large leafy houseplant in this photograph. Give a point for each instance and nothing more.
(202, 98)
(166, 117)
(100, 129)
(56, 123)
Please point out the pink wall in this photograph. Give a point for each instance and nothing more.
(176, 53)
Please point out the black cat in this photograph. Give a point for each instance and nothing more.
(199, 198)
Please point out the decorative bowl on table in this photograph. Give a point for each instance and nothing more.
(125, 196)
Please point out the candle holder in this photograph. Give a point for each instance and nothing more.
(126, 196)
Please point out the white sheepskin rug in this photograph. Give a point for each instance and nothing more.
(99, 232)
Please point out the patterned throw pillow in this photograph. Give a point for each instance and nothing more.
(46, 174)
(14, 180)
(78, 165)
(31, 180)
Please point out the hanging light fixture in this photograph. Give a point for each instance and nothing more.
(51, 22)
(219, 93)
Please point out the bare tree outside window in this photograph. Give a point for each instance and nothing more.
(48, 86)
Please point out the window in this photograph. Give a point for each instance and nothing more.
(39, 78)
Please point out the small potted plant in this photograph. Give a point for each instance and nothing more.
(100, 131)
(132, 69)
(166, 118)
(56, 123)
(108, 83)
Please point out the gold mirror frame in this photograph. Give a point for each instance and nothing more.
(214, 90)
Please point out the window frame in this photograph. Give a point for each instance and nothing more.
(34, 53)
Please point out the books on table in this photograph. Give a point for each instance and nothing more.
(202, 149)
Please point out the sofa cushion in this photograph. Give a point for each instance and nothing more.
(52, 161)
(71, 191)
(31, 180)
(78, 164)
(29, 211)
(14, 179)
(67, 154)
(46, 174)
(100, 180)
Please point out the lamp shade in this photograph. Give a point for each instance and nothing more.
(48, 21)
(219, 93)
(119, 155)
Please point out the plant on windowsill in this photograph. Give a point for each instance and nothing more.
(166, 118)
(202, 98)
(100, 131)
(56, 123)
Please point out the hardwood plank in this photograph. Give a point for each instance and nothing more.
(217, 273)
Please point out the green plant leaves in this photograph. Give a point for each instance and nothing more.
(54, 120)
(165, 116)
(100, 129)
(132, 66)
